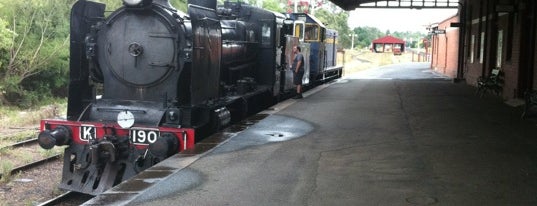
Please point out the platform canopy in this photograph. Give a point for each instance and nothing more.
(411, 4)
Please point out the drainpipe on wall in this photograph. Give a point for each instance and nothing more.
(446, 53)
(488, 35)
(462, 36)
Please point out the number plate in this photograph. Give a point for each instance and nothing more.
(143, 136)
(88, 133)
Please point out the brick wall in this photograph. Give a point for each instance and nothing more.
(503, 41)
(445, 48)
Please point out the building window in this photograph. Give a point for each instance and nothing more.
(482, 47)
(500, 49)
(472, 48)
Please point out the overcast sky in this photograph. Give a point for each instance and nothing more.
(398, 19)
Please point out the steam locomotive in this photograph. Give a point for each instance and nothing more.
(149, 81)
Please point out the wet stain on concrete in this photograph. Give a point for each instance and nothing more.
(182, 181)
(199, 149)
(176, 157)
(216, 138)
(154, 174)
(133, 185)
(220, 137)
(275, 128)
(106, 199)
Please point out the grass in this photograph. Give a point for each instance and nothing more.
(20, 136)
(5, 170)
(14, 117)
(24, 157)
(17, 125)
(51, 152)
(358, 60)
(9, 158)
(4, 150)
(56, 189)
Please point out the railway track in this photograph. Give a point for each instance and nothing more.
(25, 165)
(27, 142)
(33, 164)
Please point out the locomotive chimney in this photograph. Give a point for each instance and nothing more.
(165, 3)
(204, 3)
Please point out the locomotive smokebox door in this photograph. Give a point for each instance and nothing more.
(142, 58)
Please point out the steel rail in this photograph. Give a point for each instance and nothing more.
(33, 164)
(20, 144)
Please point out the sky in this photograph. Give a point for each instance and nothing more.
(398, 19)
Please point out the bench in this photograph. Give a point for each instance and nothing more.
(530, 106)
(492, 83)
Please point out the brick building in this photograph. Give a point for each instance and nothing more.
(500, 34)
(493, 34)
(489, 34)
(445, 46)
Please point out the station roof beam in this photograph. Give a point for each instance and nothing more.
(397, 4)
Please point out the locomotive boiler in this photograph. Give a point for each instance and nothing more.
(148, 81)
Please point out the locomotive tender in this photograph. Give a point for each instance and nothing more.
(148, 81)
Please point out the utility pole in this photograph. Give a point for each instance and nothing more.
(352, 39)
(313, 7)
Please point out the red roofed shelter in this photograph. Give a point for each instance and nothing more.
(389, 44)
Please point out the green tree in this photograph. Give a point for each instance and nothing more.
(40, 36)
(5, 35)
(180, 5)
(273, 5)
(365, 35)
(412, 38)
(34, 48)
(336, 21)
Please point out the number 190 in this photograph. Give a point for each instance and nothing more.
(145, 137)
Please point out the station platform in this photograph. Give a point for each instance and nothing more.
(386, 141)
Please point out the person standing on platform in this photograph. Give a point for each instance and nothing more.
(298, 71)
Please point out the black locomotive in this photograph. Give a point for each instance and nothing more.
(148, 81)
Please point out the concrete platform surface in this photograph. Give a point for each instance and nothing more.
(369, 142)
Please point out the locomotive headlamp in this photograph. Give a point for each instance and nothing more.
(132, 2)
(173, 117)
(136, 3)
(288, 21)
